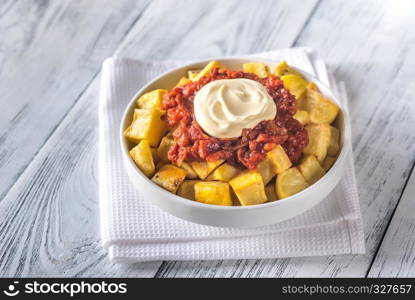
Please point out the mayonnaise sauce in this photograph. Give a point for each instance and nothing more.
(224, 107)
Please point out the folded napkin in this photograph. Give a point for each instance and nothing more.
(134, 230)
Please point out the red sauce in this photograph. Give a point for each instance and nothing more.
(192, 143)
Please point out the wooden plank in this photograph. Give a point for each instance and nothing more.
(396, 256)
(46, 49)
(369, 44)
(51, 213)
(216, 28)
(49, 53)
(51, 224)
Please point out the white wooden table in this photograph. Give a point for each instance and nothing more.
(50, 58)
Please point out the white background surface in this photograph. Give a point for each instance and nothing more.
(50, 58)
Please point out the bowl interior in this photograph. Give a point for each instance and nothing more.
(169, 79)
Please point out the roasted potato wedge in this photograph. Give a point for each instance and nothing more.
(169, 177)
(270, 192)
(249, 188)
(318, 140)
(213, 192)
(296, 85)
(259, 69)
(159, 165)
(328, 162)
(162, 152)
(147, 125)
(156, 158)
(187, 189)
(127, 132)
(302, 117)
(313, 86)
(279, 159)
(234, 198)
(334, 145)
(266, 169)
(151, 99)
(206, 70)
(163, 148)
(143, 158)
(324, 112)
(183, 81)
(290, 182)
(225, 172)
(320, 109)
(311, 169)
(190, 173)
(192, 74)
(284, 69)
(275, 162)
(204, 168)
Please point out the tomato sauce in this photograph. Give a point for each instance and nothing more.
(192, 143)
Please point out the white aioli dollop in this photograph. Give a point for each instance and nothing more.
(224, 107)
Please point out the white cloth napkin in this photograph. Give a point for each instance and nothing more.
(134, 230)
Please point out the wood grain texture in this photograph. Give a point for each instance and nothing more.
(50, 215)
(49, 53)
(369, 45)
(50, 226)
(396, 256)
(215, 28)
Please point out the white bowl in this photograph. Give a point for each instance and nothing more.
(233, 216)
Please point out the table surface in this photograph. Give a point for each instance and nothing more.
(50, 57)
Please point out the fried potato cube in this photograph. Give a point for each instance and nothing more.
(320, 109)
(224, 172)
(147, 125)
(204, 168)
(284, 69)
(334, 145)
(162, 152)
(128, 136)
(259, 69)
(141, 154)
(156, 158)
(279, 159)
(318, 140)
(159, 165)
(127, 132)
(313, 86)
(234, 198)
(249, 188)
(151, 99)
(213, 192)
(192, 74)
(183, 81)
(296, 85)
(290, 182)
(270, 192)
(163, 148)
(169, 177)
(266, 169)
(206, 70)
(190, 173)
(312, 97)
(328, 162)
(324, 112)
(311, 169)
(302, 117)
(187, 189)
(170, 131)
